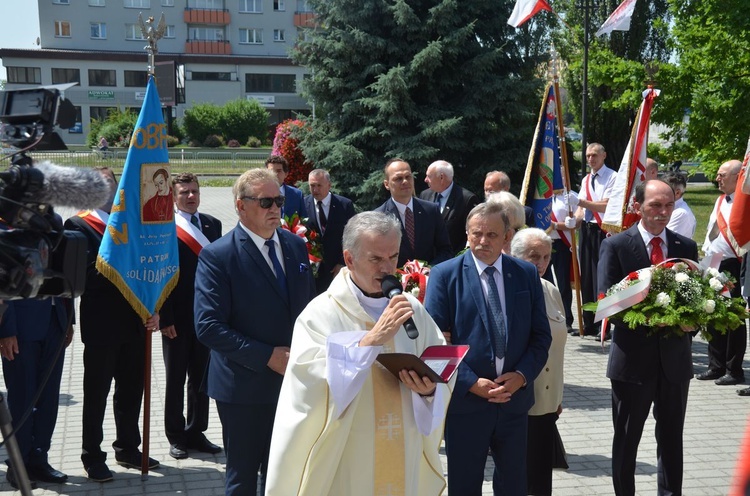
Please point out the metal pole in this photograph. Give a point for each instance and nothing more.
(585, 92)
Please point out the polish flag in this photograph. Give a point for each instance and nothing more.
(525, 10)
(619, 20)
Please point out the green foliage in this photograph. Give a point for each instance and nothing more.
(239, 119)
(213, 141)
(201, 120)
(172, 141)
(253, 142)
(709, 82)
(116, 128)
(422, 80)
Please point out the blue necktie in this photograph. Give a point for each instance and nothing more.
(496, 313)
(194, 221)
(280, 276)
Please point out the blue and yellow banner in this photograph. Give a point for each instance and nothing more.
(138, 253)
(543, 176)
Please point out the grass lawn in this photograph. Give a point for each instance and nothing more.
(701, 200)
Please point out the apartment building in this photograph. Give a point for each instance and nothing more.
(217, 50)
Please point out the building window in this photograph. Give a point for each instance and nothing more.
(169, 33)
(211, 76)
(138, 79)
(206, 4)
(206, 34)
(96, 3)
(78, 126)
(133, 32)
(62, 76)
(62, 29)
(278, 5)
(304, 6)
(270, 83)
(61, 2)
(102, 77)
(252, 6)
(167, 3)
(137, 4)
(251, 36)
(278, 35)
(99, 30)
(27, 75)
(100, 113)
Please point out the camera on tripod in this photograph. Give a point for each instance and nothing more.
(37, 256)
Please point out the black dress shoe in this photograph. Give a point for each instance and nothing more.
(133, 460)
(709, 375)
(99, 472)
(729, 380)
(203, 445)
(178, 451)
(744, 392)
(10, 476)
(46, 473)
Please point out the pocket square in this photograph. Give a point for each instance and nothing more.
(303, 268)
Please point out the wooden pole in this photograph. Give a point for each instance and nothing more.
(566, 179)
(146, 407)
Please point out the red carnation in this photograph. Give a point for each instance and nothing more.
(601, 296)
(633, 276)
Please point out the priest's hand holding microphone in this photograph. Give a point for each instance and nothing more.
(398, 313)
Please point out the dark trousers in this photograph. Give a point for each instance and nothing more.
(631, 403)
(560, 263)
(467, 438)
(23, 376)
(541, 440)
(591, 239)
(122, 362)
(246, 432)
(184, 355)
(726, 351)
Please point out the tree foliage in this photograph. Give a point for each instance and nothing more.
(422, 80)
(237, 119)
(116, 128)
(709, 82)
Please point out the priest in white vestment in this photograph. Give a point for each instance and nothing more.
(344, 424)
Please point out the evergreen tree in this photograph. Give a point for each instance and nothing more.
(422, 80)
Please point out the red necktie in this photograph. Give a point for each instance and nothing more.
(657, 255)
(410, 227)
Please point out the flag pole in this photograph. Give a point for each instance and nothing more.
(152, 35)
(566, 180)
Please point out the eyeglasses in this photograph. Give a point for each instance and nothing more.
(267, 202)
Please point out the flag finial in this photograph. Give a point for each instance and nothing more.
(152, 35)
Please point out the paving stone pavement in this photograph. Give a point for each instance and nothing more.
(716, 418)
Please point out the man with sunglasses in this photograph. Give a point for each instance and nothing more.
(250, 286)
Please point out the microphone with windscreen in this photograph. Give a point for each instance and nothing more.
(391, 287)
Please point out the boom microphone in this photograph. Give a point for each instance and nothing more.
(72, 187)
(391, 287)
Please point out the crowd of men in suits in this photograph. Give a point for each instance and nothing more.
(236, 349)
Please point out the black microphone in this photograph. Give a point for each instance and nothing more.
(72, 187)
(391, 287)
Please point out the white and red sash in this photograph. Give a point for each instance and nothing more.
(589, 197)
(564, 233)
(723, 226)
(190, 235)
(97, 219)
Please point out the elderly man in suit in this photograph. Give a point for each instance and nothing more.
(644, 366)
(424, 236)
(454, 201)
(31, 337)
(250, 286)
(183, 353)
(294, 203)
(495, 304)
(327, 214)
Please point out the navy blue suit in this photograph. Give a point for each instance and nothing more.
(339, 213)
(456, 302)
(644, 370)
(39, 328)
(241, 314)
(294, 203)
(457, 208)
(430, 235)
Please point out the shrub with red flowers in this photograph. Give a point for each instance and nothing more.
(287, 145)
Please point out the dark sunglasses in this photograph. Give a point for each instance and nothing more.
(267, 202)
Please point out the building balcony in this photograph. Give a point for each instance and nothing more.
(208, 47)
(304, 19)
(207, 16)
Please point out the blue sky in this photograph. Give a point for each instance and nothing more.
(19, 25)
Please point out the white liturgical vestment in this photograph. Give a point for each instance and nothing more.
(326, 435)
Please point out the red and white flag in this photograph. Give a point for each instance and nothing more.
(619, 20)
(739, 228)
(620, 213)
(525, 10)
